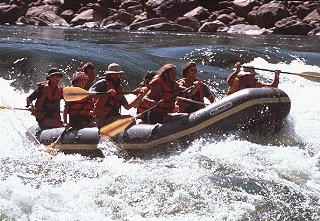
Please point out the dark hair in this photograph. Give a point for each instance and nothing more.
(150, 75)
(165, 70)
(87, 66)
(186, 68)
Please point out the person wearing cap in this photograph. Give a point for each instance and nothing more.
(48, 96)
(190, 76)
(89, 70)
(163, 90)
(244, 77)
(107, 107)
(80, 112)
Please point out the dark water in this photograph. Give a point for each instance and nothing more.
(235, 176)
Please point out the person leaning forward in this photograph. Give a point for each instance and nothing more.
(163, 90)
(244, 77)
(107, 107)
(48, 96)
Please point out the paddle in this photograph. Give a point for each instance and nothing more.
(2, 107)
(191, 101)
(117, 126)
(77, 93)
(51, 148)
(312, 76)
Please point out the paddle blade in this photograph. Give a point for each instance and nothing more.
(114, 128)
(74, 93)
(312, 76)
(4, 107)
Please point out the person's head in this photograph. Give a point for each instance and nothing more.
(114, 73)
(79, 79)
(148, 77)
(89, 70)
(189, 70)
(54, 76)
(248, 78)
(168, 73)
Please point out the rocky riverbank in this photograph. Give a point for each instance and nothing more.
(232, 16)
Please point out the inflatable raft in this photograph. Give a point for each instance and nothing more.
(255, 109)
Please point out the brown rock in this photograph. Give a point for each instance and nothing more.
(243, 7)
(200, 13)
(86, 16)
(292, 26)
(148, 22)
(247, 29)
(268, 14)
(189, 22)
(168, 27)
(312, 16)
(9, 13)
(211, 26)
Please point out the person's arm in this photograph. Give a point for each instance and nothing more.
(135, 103)
(233, 75)
(34, 95)
(207, 93)
(148, 98)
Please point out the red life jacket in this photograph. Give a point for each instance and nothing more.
(166, 93)
(49, 102)
(242, 84)
(81, 107)
(103, 105)
(198, 96)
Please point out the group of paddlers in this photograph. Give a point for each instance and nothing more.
(159, 96)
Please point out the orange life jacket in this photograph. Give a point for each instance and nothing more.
(166, 93)
(198, 96)
(49, 102)
(103, 105)
(81, 107)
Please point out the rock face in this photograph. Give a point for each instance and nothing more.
(232, 16)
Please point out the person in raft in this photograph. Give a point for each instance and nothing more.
(163, 90)
(190, 76)
(80, 112)
(107, 107)
(89, 70)
(143, 88)
(48, 96)
(244, 77)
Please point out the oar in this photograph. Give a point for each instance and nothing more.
(117, 126)
(191, 101)
(51, 148)
(312, 76)
(77, 93)
(2, 107)
(12, 108)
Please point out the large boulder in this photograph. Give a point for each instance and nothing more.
(200, 13)
(189, 22)
(86, 16)
(9, 13)
(170, 9)
(211, 26)
(292, 26)
(243, 7)
(268, 14)
(313, 16)
(247, 29)
(45, 15)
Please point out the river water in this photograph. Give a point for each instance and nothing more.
(234, 176)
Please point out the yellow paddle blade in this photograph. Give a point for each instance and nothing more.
(114, 128)
(74, 93)
(312, 76)
(4, 107)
